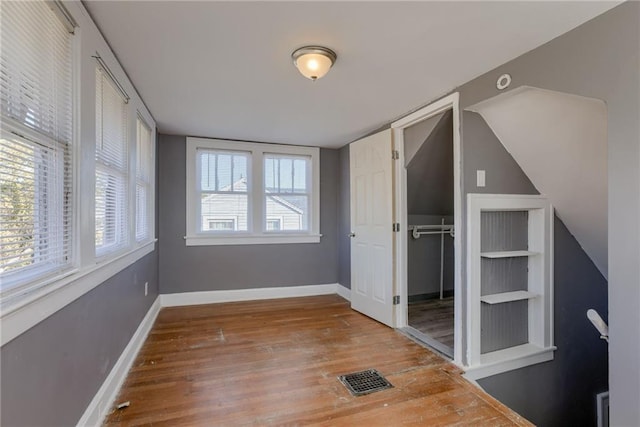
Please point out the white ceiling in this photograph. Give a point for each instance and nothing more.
(223, 69)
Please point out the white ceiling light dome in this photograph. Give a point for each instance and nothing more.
(313, 62)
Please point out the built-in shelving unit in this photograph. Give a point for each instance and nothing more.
(510, 282)
(506, 254)
(507, 297)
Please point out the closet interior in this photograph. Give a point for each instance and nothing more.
(428, 148)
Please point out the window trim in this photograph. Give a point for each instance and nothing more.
(259, 234)
(150, 184)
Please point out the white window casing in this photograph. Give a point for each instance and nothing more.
(144, 186)
(254, 183)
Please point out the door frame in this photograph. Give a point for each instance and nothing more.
(450, 102)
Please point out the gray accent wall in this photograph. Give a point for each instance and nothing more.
(344, 220)
(598, 59)
(430, 171)
(560, 392)
(415, 135)
(228, 267)
(51, 372)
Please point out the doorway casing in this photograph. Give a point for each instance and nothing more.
(450, 102)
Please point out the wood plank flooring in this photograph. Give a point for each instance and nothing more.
(434, 317)
(276, 362)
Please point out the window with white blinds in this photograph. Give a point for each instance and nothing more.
(112, 167)
(144, 172)
(36, 111)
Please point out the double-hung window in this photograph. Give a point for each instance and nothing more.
(223, 190)
(36, 114)
(112, 166)
(144, 172)
(287, 191)
(247, 193)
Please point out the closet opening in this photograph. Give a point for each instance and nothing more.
(430, 264)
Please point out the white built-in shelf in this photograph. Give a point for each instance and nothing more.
(507, 297)
(507, 254)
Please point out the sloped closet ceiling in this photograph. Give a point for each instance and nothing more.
(560, 142)
(430, 169)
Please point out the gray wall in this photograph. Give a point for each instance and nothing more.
(206, 268)
(430, 171)
(415, 135)
(600, 60)
(560, 392)
(51, 372)
(344, 206)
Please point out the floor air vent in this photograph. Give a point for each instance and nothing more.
(364, 382)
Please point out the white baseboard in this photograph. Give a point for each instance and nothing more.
(211, 297)
(102, 401)
(343, 291)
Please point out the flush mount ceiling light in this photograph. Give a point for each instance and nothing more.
(313, 62)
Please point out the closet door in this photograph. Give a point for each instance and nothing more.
(371, 227)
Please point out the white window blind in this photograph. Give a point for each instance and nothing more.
(144, 169)
(35, 143)
(112, 176)
(223, 189)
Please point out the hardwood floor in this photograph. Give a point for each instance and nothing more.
(434, 317)
(276, 362)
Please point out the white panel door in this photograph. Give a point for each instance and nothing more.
(371, 227)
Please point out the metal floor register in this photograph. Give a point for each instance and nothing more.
(364, 382)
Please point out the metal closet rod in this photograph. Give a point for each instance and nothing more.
(416, 230)
(440, 229)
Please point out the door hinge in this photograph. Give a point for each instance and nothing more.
(396, 299)
(395, 155)
(395, 227)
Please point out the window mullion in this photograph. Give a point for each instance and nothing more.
(257, 192)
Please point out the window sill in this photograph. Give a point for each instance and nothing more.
(20, 314)
(252, 239)
(509, 359)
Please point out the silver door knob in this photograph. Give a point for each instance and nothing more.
(352, 234)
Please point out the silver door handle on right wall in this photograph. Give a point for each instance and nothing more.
(352, 234)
